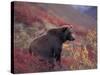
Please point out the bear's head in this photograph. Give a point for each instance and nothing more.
(67, 34)
(64, 33)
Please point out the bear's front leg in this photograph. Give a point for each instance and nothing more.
(58, 57)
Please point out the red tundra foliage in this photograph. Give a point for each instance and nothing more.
(33, 13)
(25, 63)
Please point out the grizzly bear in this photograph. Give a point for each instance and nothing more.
(49, 46)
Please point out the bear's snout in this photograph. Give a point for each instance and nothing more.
(72, 37)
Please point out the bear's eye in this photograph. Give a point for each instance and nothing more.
(69, 33)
